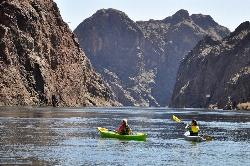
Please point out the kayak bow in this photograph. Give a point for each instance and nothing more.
(105, 133)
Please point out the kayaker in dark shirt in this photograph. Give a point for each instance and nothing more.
(124, 128)
(193, 128)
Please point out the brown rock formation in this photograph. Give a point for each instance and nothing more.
(140, 60)
(40, 60)
(216, 72)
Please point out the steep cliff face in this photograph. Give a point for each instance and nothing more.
(139, 60)
(175, 36)
(40, 60)
(116, 47)
(216, 72)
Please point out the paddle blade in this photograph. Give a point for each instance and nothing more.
(207, 137)
(176, 119)
(102, 129)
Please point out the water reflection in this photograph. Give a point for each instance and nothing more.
(50, 136)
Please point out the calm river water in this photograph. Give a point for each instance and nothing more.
(61, 136)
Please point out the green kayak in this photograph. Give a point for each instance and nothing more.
(105, 133)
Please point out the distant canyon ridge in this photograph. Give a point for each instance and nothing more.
(139, 60)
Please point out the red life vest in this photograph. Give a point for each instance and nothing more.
(123, 129)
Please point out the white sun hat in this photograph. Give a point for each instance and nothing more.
(125, 120)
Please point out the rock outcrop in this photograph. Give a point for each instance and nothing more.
(175, 36)
(216, 73)
(140, 60)
(41, 62)
(118, 50)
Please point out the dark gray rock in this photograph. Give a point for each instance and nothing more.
(216, 73)
(143, 55)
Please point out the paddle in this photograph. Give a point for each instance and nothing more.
(178, 120)
(102, 129)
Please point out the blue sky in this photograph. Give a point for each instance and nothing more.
(229, 13)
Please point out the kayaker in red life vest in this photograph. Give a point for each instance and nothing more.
(124, 128)
(193, 128)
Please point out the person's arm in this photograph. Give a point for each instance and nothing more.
(119, 129)
(188, 126)
(130, 131)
